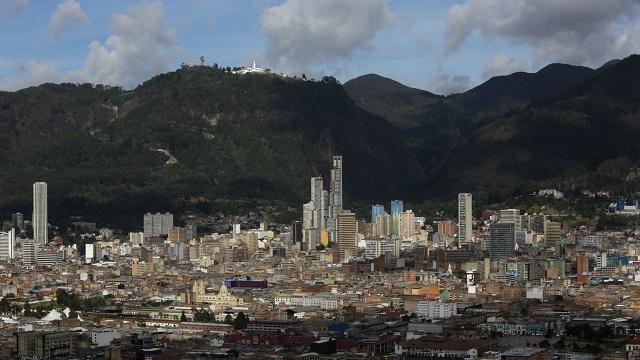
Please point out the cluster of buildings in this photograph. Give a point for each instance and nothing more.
(488, 284)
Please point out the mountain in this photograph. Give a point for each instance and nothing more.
(396, 102)
(433, 125)
(197, 139)
(583, 138)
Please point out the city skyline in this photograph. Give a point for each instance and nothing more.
(238, 191)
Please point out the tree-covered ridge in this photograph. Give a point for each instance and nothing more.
(105, 151)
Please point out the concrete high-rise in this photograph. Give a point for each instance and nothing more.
(551, 233)
(8, 244)
(347, 234)
(511, 216)
(465, 218)
(17, 220)
(40, 214)
(336, 185)
(157, 224)
(502, 240)
(335, 198)
(320, 214)
(29, 252)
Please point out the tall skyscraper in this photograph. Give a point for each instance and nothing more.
(502, 240)
(551, 233)
(465, 218)
(336, 184)
(40, 215)
(335, 197)
(8, 244)
(397, 207)
(347, 234)
(296, 232)
(376, 210)
(320, 214)
(511, 216)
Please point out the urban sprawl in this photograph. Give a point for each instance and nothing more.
(498, 284)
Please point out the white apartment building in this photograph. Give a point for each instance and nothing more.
(8, 244)
(436, 309)
(322, 301)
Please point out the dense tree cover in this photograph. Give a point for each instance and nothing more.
(239, 141)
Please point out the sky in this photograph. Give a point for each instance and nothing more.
(443, 46)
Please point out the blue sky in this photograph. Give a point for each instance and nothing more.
(442, 46)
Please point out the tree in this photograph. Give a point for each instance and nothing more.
(27, 308)
(201, 60)
(228, 319)
(183, 317)
(241, 321)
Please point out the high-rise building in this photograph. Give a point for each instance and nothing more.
(465, 218)
(536, 223)
(136, 238)
(446, 228)
(502, 240)
(321, 212)
(40, 215)
(336, 185)
(397, 207)
(49, 258)
(296, 232)
(347, 234)
(406, 224)
(29, 252)
(8, 244)
(382, 227)
(551, 233)
(177, 234)
(17, 221)
(157, 224)
(511, 216)
(582, 264)
(335, 197)
(376, 210)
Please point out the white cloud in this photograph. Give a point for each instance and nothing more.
(301, 33)
(66, 14)
(501, 64)
(142, 46)
(584, 32)
(27, 73)
(446, 84)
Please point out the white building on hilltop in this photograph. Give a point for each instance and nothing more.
(252, 69)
